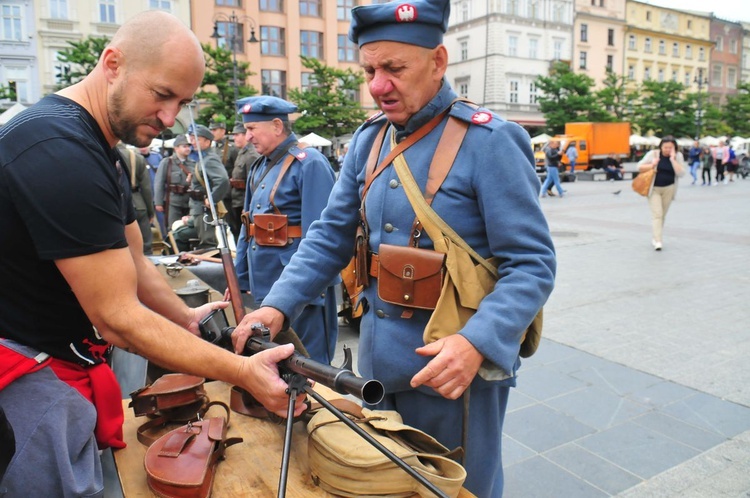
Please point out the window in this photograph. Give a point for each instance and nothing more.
(732, 46)
(229, 3)
(310, 8)
(660, 75)
(716, 75)
(20, 76)
(273, 83)
(165, 5)
(582, 59)
(647, 73)
(610, 62)
(231, 36)
(648, 15)
(647, 45)
(631, 42)
(344, 9)
(307, 82)
(674, 76)
(688, 51)
(601, 3)
(719, 43)
(687, 78)
(631, 72)
(107, 11)
(272, 5)
(593, 3)
(662, 47)
(611, 37)
(533, 47)
(463, 10)
(584, 32)
(690, 24)
(732, 77)
(512, 46)
(532, 93)
(511, 7)
(463, 87)
(701, 54)
(533, 9)
(347, 49)
(58, 9)
(513, 94)
(272, 40)
(311, 44)
(557, 49)
(11, 23)
(558, 12)
(464, 49)
(675, 49)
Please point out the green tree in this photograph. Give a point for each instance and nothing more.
(664, 109)
(328, 108)
(715, 121)
(79, 59)
(737, 109)
(7, 92)
(568, 97)
(217, 92)
(615, 97)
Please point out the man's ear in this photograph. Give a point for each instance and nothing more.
(111, 61)
(440, 56)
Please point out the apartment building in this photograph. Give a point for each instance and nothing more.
(745, 56)
(599, 38)
(498, 48)
(726, 59)
(666, 44)
(18, 51)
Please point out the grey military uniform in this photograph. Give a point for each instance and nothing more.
(219, 181)
(170, 187)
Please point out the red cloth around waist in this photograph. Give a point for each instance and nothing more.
(13, 365)
(98, 385)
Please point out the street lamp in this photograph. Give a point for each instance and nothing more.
(233, 36)
(701, 81)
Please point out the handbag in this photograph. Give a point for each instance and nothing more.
(344, 464)
(643, 181)
(409, 276)
(466, 283)
(182, 463)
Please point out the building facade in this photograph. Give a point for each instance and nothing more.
(726, 60)
(498, 48)
(745, 56)
(599, 38)
(665, 44)
(18, 52)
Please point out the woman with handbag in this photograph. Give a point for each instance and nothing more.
(668, 164)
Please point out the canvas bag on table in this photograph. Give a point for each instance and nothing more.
(466, 283)
(343, 463)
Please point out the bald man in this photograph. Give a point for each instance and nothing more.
(82, 284)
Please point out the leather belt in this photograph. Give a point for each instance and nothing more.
(293, 232)
(374, 265)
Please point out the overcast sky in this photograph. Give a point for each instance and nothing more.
(733, 10)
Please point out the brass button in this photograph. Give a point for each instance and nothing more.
(407, 297)
(388, 227)
(393, 183)
(380, 314)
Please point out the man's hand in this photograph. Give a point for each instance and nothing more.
(159, 208)
(270, 317)
(202, 312)
(456, 361)
(259, 374)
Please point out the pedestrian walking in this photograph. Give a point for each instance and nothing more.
(552, 158)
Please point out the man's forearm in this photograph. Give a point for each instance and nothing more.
(156, 294)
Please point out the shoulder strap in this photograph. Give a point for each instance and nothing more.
(132, 168)
(288, 160)
(431, 221)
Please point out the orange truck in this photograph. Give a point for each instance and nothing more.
(594, 143)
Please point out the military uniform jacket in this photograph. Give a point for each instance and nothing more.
(217, 178)
(245, 158)
(231, 154)
(489, 198)
(143, 198)
(301, 195)
(176, 177)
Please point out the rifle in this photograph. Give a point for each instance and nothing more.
(297, 369)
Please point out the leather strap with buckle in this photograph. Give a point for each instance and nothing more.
(294, 232)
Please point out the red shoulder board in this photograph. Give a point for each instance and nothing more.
(301, 155)
(406, 13)
(481, 117)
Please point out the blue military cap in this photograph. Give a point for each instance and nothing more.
(419, 22)
(264, 108)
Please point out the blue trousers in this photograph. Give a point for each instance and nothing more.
(553, 176)
(443, 419)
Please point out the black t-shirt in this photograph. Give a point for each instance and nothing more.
(62, 194)
(664, 172)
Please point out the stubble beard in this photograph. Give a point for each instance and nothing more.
(122, 126)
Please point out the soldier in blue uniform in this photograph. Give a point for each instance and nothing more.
(489, 198)
(288, 188)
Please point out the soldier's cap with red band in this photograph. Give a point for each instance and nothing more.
(264, 108)
(418, 22)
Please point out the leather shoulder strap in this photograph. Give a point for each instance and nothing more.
(288, 160)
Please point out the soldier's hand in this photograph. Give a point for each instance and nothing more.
(159, 208)
(202, 312)
(456, 361)
(270, 317)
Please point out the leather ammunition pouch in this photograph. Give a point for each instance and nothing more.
(270, 229)
(408, 276)
(196, 194)
(182, 463)
(176, 188)
(171, 398)
(237, 183)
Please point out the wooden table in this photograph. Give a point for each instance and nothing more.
(251, 468)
